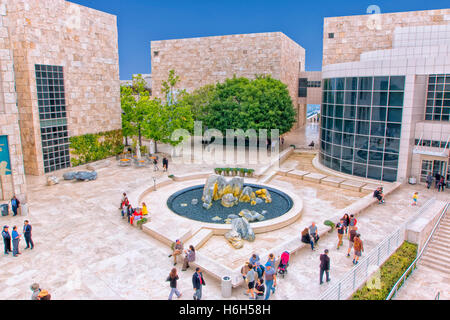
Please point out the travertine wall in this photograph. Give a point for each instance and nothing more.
(202, 61)
(354, 35)
(82, 40)
(9, 117)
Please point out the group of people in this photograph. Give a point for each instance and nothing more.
(261, 279)
(197, 279)
(311, 236)
(165, 163)
(14, 237)
(439, 181)
(132, 214)
(38, 293)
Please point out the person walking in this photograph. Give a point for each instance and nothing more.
(346, 219)
(6, 239)
(270, 278)
(36, 290)
(441, 185)
(325, 266)
(177, 250)
(415, 198)
(260, 289)
(358, 248)
(198, 282)
(15, 205)
(251, 281)
(429, 180)
(351, 240)
(173, 278)
(437, 177)
(189, 257)
(314, 233)
(15, 241)
(340, 230)
(27, 235)
(352, 222)
(165, 164)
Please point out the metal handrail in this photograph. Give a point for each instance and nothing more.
(375, 257)
(414, 264)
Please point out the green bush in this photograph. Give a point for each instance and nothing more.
(390, 272)
(330, 224)
(93, 147)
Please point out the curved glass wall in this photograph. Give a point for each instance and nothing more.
(361, 126)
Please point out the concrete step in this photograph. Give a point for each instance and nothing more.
(440, 246)
(200, 238)
(444, 228)
(432, 265)
(438, 252)
(438, 257)
(442, 239)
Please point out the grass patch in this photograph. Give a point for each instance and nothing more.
(390, 271)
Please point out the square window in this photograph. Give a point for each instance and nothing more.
(348, 140)
(380, 98)
(381, 83)
(337, 138)
(397, 83)
(365, 84)
(340, 84)
(378, 129)
(351, 97)
(349, 112)
(340, 97)
(365, 98)
(392, 145)
(376, 158)
(336, 151)
(378, 114)
(377, 144)
(396, 99)
(362, 127)
(389, 175)
(339, 111)
(363, 113)
(347, 154)
(351, 84)
(374, 173)
(338, 124)
(362, 142)
(393, 130)
(346, 167)
(349, 126)
(331, 36)
(336, 164)
(395, 115)
(360, 170)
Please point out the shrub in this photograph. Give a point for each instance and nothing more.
(93, 147)
(330, 224)
(390, 272)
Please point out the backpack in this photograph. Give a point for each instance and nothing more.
(260, 270)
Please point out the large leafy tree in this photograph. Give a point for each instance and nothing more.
(240, 103)
(136, 104)
(165, 117)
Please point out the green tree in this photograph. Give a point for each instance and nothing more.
(240, 103)
(199, 101)
(163, 118)
(135, 101)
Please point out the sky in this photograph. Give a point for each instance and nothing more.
(143, 21)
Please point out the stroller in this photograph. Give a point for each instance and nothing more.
(284, 264)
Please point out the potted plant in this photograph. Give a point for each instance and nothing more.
(139, 223)
(227, 171)
(242, 172)
(219, 171)
(234, 172)
(250, 172)
(330, 224)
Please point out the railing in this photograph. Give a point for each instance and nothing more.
(413, 266)
(359, 275)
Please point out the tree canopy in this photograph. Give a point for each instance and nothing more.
(240, 103)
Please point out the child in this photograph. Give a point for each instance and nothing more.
(415, 198)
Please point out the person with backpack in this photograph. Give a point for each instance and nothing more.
(358, 248)
(351, 240)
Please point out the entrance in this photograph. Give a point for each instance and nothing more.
(433, 167)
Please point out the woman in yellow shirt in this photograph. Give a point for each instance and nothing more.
(144, 209)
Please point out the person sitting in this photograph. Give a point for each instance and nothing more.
(177, 250)
(137, 215)
(260, 289)
(124, 202)
(313, 232)
(254, 259)
(144, 209)
(379, 195)
(189, 257)
(306, 238)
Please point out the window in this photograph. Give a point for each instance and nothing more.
(438, 98)
(303, 88)
(362, 117)
(331, 36)
(53, 117)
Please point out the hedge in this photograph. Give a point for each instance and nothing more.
(390, 271)
(93, 147)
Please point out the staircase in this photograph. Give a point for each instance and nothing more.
(437, 256)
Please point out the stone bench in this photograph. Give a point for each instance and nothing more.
(332, 181)
(314, 177)
(297, 174)
(216, 270)
(352, 185)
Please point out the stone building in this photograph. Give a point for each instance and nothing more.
(208, 60)
(59, 78)
(386, 99)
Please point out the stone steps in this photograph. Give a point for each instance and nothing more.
(437, 253)
(200, 238)
(434, 265)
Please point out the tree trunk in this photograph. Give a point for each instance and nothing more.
(156, 146)
(140, 135)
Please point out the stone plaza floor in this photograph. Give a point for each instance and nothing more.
(85, 250)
